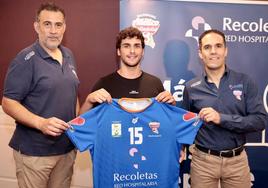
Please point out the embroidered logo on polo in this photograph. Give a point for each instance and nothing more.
(29, 55)
(237, 91)
(196, 83)
(73, 70)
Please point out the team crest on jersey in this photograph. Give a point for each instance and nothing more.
(116, 130)
(154, 127)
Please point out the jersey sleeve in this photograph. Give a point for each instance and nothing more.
(83, 129)
(187, 125)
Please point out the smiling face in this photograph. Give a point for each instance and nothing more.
(130, 52)
(213, 51)
(50, 28)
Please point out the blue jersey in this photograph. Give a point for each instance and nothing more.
(134, 142)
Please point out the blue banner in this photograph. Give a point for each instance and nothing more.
(171, 29)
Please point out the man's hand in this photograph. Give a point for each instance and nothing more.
(210, 115)
(166, 97)
(53, 126)
(99, 96)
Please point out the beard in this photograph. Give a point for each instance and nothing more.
(52, 43)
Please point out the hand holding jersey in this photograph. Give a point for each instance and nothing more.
(208, 114)
(134, 141)
(101, 95)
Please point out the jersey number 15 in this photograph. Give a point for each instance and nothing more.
(135, 136)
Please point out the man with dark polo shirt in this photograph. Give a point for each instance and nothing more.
(40, 93)
(229, 104)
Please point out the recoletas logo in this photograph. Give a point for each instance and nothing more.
(132, 153)
(199, 26)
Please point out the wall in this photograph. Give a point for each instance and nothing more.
(92, 26)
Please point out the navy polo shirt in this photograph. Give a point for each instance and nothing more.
(46, 88)
(240, 107)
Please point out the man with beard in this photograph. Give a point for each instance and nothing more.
(40, 93)
(129, 80)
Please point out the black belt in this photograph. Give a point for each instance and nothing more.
(225, 153)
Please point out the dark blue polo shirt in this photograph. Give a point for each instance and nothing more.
(46, 88)
(240, 107)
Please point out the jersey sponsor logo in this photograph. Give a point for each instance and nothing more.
(136, 184)
(116, 130)
(132, 153)
(134, 177)
(154, 127)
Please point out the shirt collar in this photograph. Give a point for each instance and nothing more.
(226, 73)
(44, 54)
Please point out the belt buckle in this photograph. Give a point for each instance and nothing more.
(222, 152)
